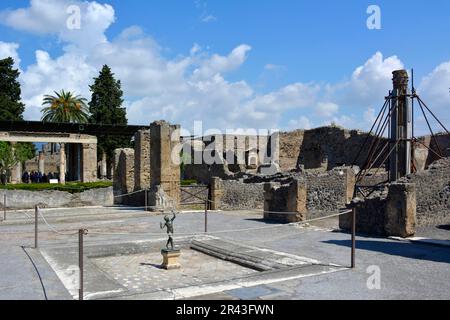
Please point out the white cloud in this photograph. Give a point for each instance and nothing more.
(9, 49)
(434, 91)
(368, 84)
(50, 17)
(209, 18)
(326, 109)
(194, 86)
(300, 123)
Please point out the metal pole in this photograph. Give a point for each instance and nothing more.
(353, 236)
(81, 233)
(146, 194)
(36, 212)
(4, 206)
(206, 216)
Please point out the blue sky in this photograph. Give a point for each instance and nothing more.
(295, 64)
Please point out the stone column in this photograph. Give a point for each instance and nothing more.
(89, 162)
(165, 158)
(400, 217)
(13, 177)
(349, 184)
(41, 162)
(216, 193)
(296, 199)
(103, 166)
(62, 163)
(142, 159)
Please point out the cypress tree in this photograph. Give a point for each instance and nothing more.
(11, 108)
(106, 108)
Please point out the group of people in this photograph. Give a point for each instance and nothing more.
(38, 177)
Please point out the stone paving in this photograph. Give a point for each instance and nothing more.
(141, 272)
(408, 270)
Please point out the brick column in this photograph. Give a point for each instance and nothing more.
(400, 217)
(296, 201)
(216, 193)
(165, 158)
(142, 159)
(89, 162)
(41, 166)
(62, 164)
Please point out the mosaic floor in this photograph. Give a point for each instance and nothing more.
(142, 273)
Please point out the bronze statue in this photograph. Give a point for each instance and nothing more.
(169, 225)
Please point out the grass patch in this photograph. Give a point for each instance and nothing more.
(72, 187)
(188, 182)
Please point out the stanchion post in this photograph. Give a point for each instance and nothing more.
(353, 237)
(146, 195)
(206, 216)
(36, 213)
(4, 206)
(81, 233)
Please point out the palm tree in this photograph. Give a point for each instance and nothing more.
(65, 107)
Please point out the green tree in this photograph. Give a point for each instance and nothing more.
(8, 159)
(25, 151)
(64, 106)
(106, 108)
(11, 108)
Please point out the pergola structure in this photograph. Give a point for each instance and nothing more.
(78, 144)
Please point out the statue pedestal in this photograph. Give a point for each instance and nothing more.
(170, 259)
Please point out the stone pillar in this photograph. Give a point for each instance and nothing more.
(41, 162)
(142, 159)
(349, 184)
(400, 217)
(16, 173)
(296, 200)
(62, 164)
(286, 203)
(216, 193)
(89, 162)
(115, 169)
(165, 158)
(123, 180)
(103, 167)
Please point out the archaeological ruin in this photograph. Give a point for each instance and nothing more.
(302, 174)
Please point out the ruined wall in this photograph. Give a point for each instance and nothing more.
(290, 145)
(123, 180)
(388, 212)
(329, 191)
(433, 193)
(327, 147)
(237, 195)
(23, 199)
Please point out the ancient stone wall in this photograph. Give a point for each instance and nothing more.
(123, 181)
(237, 195)
(142, 159)
(433, 193)
(329, 191)
(22, 199)
(285, 203)
(389, 212)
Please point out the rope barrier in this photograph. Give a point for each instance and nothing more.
(231, 230)
(53, 228)
(130, 193)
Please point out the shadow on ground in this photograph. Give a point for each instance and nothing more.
(403, 249)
